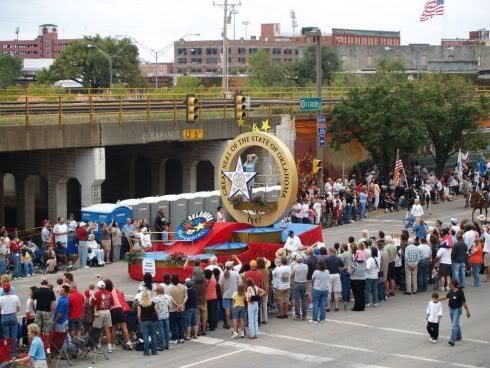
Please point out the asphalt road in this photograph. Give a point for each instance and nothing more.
(392, 335)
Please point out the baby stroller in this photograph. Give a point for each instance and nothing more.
(408, 222)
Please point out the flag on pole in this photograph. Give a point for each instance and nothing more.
(432, 8)
(399, 170)
(482, 168)
(459, 165)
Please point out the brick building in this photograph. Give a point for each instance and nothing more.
(46, 45)
(480, 37)
(204, 57)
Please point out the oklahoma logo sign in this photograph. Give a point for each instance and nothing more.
(195, 226)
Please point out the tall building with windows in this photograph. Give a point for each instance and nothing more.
(204, 57)
(46, 45)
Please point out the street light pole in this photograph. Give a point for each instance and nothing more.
(318, 67)
(109, 59)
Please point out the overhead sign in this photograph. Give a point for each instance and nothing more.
(195, 226)
(192, 134)
(149, 266)
(309, 104)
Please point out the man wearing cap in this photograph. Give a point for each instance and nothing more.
(46, 234)
(300, 276)
(281, 281)
(45, 302)
(253, 274)
(82, 235)
(103, 302)
(293, 242)
(60, 231)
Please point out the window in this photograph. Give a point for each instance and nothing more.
(242, 51)
(296, 52)
(276, 60)
(252, 50)
(196, 51)
(268, 50)
(288, 51)
(182, 61)
(370, 60)
(212, 51)
(212, 60)
(276, 51)
(182, 51)
(242, 60)
(196, 61)
(196, 71)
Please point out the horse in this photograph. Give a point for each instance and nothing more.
(424, 195)
(479, 201)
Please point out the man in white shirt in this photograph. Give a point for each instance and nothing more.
(60, 231)
(297, 213)
(417, 210)
(317, 207)
(293, 242)
(281, 281)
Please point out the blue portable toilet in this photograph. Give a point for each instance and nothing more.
(106, 213)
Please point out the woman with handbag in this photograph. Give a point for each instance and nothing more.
(254, 295)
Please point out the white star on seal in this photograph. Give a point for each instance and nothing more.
(239, 180)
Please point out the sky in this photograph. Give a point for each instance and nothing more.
(157, 23)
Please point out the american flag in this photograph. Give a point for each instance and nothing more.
(398, 172)
(432, 7)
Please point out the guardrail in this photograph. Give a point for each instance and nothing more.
(86, 105)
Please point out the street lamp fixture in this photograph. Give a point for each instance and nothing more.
(108, 57)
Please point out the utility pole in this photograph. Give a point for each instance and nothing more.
(246, 23)
(224, 82)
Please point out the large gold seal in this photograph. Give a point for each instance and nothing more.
(233, 180)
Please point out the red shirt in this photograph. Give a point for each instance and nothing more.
(75, 304)
(256, 276)
(81, 233)
(14, 247)
(103, 300)
(211, 290)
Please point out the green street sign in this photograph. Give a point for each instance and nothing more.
(308, 104)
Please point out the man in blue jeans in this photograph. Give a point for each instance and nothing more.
(459, 254)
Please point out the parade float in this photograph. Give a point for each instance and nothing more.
(260, 227)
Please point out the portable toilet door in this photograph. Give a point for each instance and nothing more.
(141, 210)
(212, 200)
(178, 209)
(195, 203)
(163, 203)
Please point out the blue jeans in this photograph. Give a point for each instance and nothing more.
(177, 325)
(9, 329)
(348, 213)
(371, 289)
(455, 314)
(148, 329)
(423, 274)
(381, 290)
(458, 273)
(163, 333)
(319, 303)
(3, 266)
(345, 280)
(28, 268)
(253, 319)
(16, 261)
(362, 210)
(83, 252)
(475, 269)
(300, 299)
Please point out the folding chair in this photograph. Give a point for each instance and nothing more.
(91, 343)
(5, 350)
(56, 342)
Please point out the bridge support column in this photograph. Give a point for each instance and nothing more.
(90, 172)
(29, 202)
(20, 201)
(189, 176)
(2, 200)
(57, 204)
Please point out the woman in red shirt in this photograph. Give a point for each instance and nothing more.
(212, 300)
(476, 260)
(15, 253)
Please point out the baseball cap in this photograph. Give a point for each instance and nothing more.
(229, 264)
(101, 284)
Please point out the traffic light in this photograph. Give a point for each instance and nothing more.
(192, 108)
(241, 106)
(317, 166)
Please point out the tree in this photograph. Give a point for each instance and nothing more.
(451, 110)
(189, 82)
(305, 68)
(10, 70)
(265, 72)
(90, 68)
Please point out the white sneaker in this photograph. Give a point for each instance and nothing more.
(447, 288)
(312, 321)
(234, 335)
(434, 341)
(375, 305)
(86, 267)
(242, 334)
(442, 289)
(368, 305)
(174, 342)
